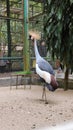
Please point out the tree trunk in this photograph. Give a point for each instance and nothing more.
(66, 79)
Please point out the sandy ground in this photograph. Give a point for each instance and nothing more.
(24, 110)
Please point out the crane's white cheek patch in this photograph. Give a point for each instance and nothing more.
(43, 74)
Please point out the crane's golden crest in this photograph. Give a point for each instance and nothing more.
(35, 34)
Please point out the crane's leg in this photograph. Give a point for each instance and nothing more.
(44, 93)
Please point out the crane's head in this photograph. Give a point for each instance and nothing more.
(54, 83)
(34, 35)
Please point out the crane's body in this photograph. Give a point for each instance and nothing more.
(45, 71)
(47, 78)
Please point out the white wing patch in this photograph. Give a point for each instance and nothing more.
(43, 74)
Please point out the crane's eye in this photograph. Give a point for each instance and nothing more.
(29, 37)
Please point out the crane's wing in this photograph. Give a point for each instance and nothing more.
(50, 87)
(45, 66)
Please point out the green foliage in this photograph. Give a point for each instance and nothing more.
(3, 35)
(23, 72)
(58, 28)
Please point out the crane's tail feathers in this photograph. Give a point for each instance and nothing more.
(50, 87)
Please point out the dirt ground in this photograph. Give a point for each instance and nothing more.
(25, 110)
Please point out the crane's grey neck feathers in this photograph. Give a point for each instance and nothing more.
(36, 51)
(42, 63)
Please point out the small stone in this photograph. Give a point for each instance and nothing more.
(46, 117)
(46, 102)
(33, 127)
(60, 113)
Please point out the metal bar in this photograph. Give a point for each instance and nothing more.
(10, 18)
(11, 58)
(8, 30)
(26, 37)
(18, 19)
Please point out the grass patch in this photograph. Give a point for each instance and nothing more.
(23, 72)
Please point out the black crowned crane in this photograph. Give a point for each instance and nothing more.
(45, 71)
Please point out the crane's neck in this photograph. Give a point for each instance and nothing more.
(36, 50)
